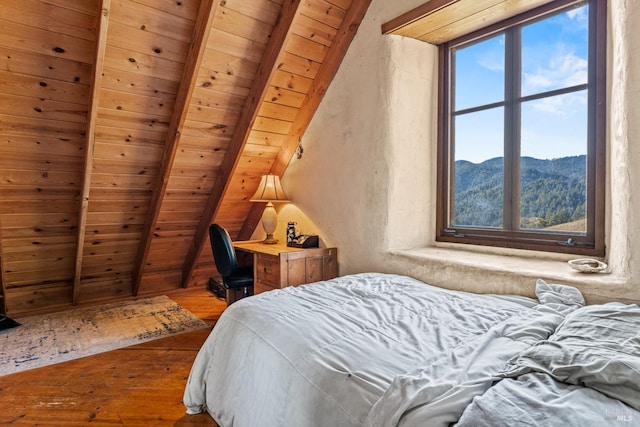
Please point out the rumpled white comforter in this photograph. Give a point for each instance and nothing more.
(367, 349)
(536, 399)
(586, 374)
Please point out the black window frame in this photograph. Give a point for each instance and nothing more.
(590, 243)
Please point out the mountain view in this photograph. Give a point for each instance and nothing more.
(553, 192)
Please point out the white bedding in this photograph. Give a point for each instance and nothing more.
(536, 399)
(367, 349)
(586, 374)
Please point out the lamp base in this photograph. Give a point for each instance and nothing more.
(270, 240)
(269, 223)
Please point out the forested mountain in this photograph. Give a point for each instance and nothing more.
(553, 191)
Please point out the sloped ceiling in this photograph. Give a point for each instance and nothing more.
(128, 126)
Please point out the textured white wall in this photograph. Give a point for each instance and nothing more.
(624, 134)
(366, 181)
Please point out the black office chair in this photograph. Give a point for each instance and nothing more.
(233, 277)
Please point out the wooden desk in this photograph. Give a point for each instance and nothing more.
(277, 266)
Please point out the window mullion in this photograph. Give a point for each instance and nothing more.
(511, 207)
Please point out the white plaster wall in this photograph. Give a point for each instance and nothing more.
(624, 131)
(344, 176)
(366, 181)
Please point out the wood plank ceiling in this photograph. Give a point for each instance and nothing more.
(129, 126)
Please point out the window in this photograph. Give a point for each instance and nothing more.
(521, 136)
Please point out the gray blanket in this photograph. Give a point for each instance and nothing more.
(537, 399)
(586, 374)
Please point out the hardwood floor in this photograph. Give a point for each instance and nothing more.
(135, 386)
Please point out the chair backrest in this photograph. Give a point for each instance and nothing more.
(223, 253)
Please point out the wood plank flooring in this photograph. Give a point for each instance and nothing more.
(135, 386)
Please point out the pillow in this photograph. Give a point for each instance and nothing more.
(551, 293)
(596, 346)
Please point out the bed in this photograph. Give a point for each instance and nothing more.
(388, 350)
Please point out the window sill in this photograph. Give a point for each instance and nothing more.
(474, 271)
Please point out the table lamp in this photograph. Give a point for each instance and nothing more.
(270, 191)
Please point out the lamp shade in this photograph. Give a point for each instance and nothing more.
(270, 190)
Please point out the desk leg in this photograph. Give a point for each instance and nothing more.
(233, 295)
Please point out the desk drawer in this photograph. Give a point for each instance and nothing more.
(268, 270)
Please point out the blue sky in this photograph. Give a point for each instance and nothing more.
(554, 55)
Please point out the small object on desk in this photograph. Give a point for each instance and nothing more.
(291, 233)
(307, 241)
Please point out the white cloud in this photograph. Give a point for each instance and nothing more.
(562, 106)
(575, 70)
(491, 57)
(492, 63)
(563, 70)
(580, 14)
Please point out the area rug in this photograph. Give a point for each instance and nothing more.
(57, 337)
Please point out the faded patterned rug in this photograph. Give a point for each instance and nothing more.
(57, 337)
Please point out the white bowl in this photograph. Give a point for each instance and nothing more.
(588, 265)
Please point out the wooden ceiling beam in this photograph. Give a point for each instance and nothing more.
(440, 21)
(326, 73)
(96, 86)
(192, 65)
(415, 15)
(268, 66)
